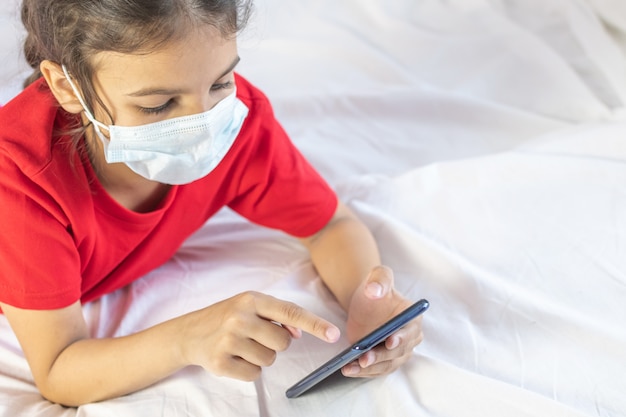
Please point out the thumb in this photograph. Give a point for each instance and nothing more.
(371, 303)
(379, 283)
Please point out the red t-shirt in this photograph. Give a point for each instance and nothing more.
(63, 238)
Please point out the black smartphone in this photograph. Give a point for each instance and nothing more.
(357, 349)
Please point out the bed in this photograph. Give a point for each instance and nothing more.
(484, 144)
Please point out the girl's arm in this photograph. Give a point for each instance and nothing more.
(344, 253)
(235, 338)
(71, 369)
(347, 259)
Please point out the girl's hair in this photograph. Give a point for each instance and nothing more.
(71, 32)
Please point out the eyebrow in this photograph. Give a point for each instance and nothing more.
(157, 91)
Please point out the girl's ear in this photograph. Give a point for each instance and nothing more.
(61, 89)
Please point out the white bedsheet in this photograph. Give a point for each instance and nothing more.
(483, 142)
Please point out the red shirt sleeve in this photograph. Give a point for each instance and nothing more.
(278, 187)
(38, 257)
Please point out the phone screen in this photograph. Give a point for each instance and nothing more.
(357, 349)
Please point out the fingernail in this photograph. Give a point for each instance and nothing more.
(369, 359)
(352, 369)
(394, 343)
(374, 290)
(332, 334)
(295, 332)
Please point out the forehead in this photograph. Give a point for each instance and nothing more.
(196, 56)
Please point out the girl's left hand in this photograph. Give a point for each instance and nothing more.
(373, 303)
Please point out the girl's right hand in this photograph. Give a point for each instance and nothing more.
(238, 336)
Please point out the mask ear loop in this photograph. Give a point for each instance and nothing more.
(90, 116)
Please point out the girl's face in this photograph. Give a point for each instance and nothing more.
(185, 77)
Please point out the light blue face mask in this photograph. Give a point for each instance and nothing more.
(173, 151)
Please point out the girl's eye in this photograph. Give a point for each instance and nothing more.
(221, 86)
(156, 110)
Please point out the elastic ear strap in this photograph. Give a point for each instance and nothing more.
(90, 116)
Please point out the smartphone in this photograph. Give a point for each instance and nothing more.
(357, 349)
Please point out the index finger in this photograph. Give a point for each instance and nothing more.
(290, 314)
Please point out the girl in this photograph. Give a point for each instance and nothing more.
(134, 130)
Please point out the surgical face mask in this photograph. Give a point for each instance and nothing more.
(173, 151)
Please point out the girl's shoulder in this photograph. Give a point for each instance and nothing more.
(31, 123)
(249, 93)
